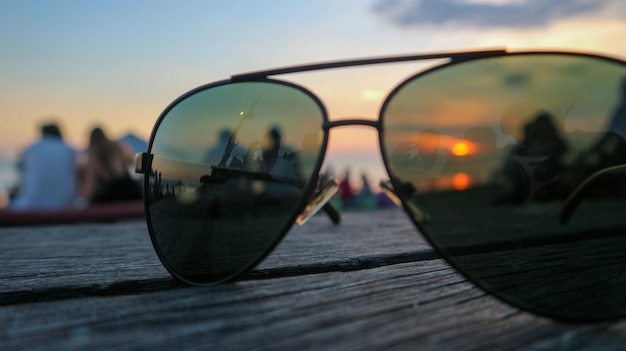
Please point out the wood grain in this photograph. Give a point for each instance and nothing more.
(371, 283)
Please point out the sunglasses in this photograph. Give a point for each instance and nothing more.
(511, 164)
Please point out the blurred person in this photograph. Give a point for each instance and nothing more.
(48, 173)
(104, 172)
(226, 148)
(535, 162)
(364, 199)
(345, 189)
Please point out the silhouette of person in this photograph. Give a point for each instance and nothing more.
(535, 160)
(48, 173)
(269, 150)
(283, 150)
(265, 157)
(276, 161)
(215, 154)
(105, 172)
(345, 189)
(364, 199)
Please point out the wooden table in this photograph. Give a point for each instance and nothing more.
(371, 283)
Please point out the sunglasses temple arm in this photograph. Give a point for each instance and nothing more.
(332, 213)
(387, 188)
(417, 213)
(320, 202)
(578, 195)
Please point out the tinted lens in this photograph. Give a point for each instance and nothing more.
(485, 154)
(231, 164)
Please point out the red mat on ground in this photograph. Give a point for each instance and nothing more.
(108, 212)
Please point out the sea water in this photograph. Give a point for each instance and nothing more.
(8, 179)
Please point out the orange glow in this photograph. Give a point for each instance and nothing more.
(353, 139)
(460, 148)
(461, 181)
(431, 143)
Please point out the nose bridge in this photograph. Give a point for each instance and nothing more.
(376, 124)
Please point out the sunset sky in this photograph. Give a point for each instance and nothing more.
(119, 63)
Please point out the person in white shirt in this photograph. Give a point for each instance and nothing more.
(48, 173)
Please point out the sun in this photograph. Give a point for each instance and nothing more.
(460, 148)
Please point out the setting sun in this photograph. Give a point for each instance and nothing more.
(460, 149)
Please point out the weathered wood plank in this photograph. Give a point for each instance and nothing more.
(369, 284)
(104, 254)
(384, 308)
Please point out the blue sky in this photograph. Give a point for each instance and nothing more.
(119, 63)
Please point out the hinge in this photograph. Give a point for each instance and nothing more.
(141, 162)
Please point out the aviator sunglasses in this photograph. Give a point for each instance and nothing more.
(511, 164)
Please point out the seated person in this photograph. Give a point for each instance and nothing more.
(48, 173)
(105, 171)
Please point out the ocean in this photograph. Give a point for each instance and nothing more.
(8, 173)
(8, 179)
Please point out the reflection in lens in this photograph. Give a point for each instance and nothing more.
(230, 166)
(490, 149)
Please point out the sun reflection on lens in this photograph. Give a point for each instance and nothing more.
(460, 148)
(460, 181)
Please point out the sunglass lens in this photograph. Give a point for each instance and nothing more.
(487, 155)
(230, 167)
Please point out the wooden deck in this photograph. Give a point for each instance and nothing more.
(371, 283)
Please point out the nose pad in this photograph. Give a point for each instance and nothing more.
(320, 201)
(408, 192)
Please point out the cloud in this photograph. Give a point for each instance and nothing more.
(490, 14)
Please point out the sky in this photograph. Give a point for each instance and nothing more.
(118, 64)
